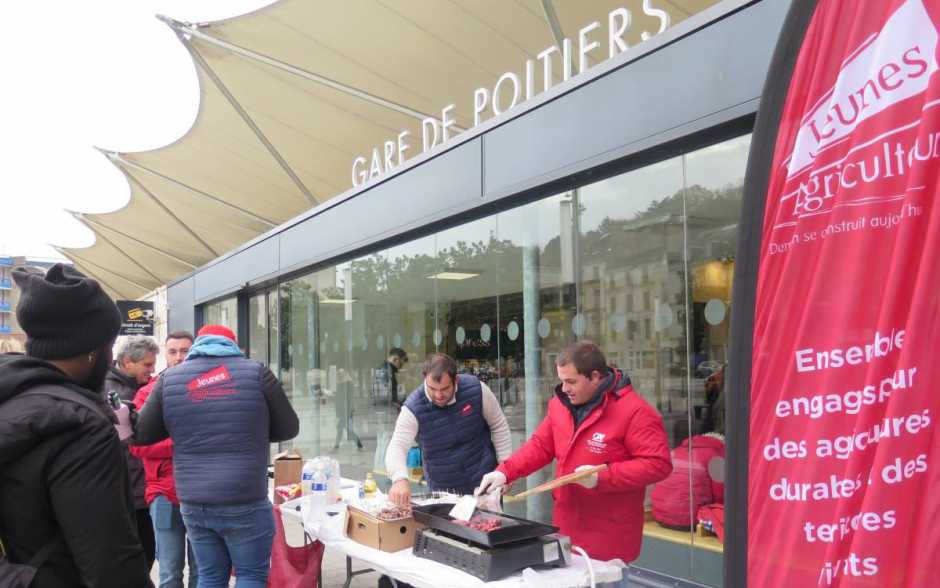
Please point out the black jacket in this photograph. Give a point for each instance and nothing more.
(63, 476)
(126, 388)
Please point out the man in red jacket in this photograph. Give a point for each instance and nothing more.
(160, 491)
(595, 418)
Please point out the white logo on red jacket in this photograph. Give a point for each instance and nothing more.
(596, 443)
(212, 384)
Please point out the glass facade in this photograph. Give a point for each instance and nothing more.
(223, 312)
(640, 263)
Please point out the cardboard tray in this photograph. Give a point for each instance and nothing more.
(513, 528)
(388, 536)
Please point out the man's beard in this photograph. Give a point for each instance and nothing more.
(95, 379)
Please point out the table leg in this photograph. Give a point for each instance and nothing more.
(350, 573)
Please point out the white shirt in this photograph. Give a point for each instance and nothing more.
(406, 431)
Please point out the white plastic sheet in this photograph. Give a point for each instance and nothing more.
(422, 573)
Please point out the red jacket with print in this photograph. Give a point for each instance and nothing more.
(157, 458)
(623, 431)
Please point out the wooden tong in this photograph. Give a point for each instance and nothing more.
(552, 484)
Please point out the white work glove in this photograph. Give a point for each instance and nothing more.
(494, 481)
(588, 482)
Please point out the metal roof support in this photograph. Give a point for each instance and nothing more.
(193, 30)
(166, 209)
(116, 158)
(553, 23)
(88, 221)
(100, 267)
(247, 118)
(102, 282)
(97, 231)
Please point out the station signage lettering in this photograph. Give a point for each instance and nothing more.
(489, 102)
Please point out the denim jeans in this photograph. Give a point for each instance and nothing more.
(227, 536)
(170, 536)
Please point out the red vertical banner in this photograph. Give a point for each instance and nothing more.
(844, 453)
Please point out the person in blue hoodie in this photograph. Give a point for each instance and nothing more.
(222, 411)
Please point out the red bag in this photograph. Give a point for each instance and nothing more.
(293, 567)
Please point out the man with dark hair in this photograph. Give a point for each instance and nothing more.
(161, 498)
(222, 411)
(459, 426)
(387, 373)
(132, 368)
(65, 508)
(178, 344)
(595, 418)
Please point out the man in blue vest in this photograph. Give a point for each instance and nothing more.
(459, 425)
(222, 411)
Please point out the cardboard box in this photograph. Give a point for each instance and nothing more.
(288, 469)
(389, 536)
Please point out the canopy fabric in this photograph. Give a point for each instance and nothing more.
(291, 94)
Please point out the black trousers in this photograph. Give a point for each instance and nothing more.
(145, 532)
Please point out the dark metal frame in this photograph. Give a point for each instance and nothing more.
(744, 295)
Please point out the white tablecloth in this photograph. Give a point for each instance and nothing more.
(424, 573)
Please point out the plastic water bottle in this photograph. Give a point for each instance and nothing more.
(318, 494)
(306, 477)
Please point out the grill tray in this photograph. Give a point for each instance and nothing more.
(512, 529)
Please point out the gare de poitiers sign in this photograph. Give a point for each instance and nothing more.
(435, 131)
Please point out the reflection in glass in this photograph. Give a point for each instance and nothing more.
(578, 324)
(640, 263)
(545, 327)
(223, 312)
(258, 328)
(715, 311)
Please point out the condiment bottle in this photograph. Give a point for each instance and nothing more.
(369, 487)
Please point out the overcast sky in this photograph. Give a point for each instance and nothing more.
(82, 74)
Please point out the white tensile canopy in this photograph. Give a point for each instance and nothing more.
(293, 93)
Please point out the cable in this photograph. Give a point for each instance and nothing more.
(589, 565)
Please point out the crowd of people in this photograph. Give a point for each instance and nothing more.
(106, 468)
(83, 505)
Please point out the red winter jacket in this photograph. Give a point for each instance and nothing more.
(626, 433)
(157, 458)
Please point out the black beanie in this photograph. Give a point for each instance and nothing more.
(63, 313)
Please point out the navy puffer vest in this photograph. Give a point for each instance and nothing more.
(455, 439)
(216, 414)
